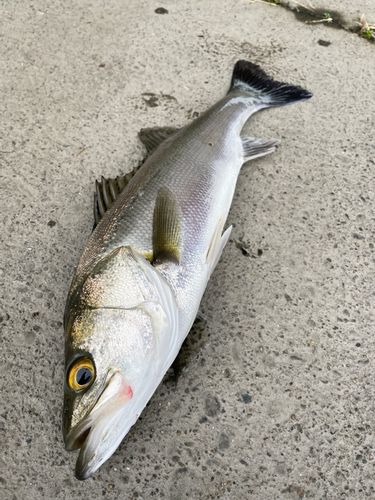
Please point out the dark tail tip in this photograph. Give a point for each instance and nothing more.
(250, 77)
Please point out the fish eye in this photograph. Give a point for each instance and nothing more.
(81, 374)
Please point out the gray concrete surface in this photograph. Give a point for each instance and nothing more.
(277, 401)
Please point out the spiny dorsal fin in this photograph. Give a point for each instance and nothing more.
(152, 137)
(106, 192)
(166, 233)
(253, 148)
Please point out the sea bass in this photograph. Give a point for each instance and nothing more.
(139, 282)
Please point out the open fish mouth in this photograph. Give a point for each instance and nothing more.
(99, 433)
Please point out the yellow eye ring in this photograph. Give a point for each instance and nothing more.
(81, 374)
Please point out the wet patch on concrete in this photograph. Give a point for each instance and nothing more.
(247, 249)
(324, 43)
(154, 100)
(161, 10)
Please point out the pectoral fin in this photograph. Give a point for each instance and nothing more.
(166, 237)
(217, 245)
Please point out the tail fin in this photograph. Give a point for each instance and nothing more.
(250, 78)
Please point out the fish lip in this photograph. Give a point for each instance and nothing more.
(83, 474)
(72, 444)
(79, 440)
(89, 433)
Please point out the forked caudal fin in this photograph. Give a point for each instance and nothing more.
(251, 79)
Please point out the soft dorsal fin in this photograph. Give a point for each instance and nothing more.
(152, 137)
(106, 192)
(166, 233)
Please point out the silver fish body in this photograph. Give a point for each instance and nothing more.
(142, 275)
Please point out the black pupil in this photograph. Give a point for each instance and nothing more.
(83, 376)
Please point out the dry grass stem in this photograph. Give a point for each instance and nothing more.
(329, 20)
(261, 1)
(305, 6)
(365, 26)
(79, 152)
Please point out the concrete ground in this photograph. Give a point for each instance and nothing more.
(277, 397)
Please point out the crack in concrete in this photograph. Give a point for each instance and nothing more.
(330, 18)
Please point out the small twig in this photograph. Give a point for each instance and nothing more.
(305, 6)
(6, 150)
(261, 1)
(79, 152)
(329, 20)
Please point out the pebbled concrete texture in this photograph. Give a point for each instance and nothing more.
(276, 398)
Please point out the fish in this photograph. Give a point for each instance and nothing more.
(158, 235)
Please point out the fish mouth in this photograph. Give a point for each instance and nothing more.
(100, 432)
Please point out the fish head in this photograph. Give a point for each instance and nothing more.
(98, 388)
(117, 324)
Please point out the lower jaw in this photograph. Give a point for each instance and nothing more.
(79, 441)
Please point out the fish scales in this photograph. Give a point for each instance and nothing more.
(142, 275)
(202, 157)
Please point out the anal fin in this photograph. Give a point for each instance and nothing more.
(253, 148)
(166, 234)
